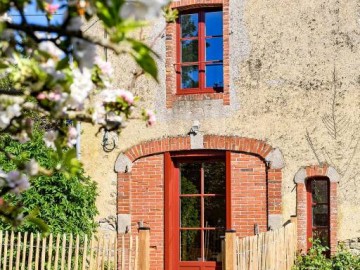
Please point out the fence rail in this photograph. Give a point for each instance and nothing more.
(28, 251)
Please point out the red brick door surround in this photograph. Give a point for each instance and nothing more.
(256, 177)
(302, 210)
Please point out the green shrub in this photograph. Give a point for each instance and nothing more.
(343, 259)
(65, 203)
(316, 259)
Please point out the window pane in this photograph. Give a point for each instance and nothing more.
(214, 23)
(214, 49)
(215, 212)
(214, 178)
(190, 249)
(320, 215)
(189, 51)
(190, 212)
(190, 77)
(212, 245)
(190, 178)
(214, 76)
(323, 235)
(189, 25)
(319, 191)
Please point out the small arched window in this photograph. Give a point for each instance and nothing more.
(318, 209)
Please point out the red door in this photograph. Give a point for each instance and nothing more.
(196, 211)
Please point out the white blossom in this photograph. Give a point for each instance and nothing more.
(105, 67)
(142, 9)
(22, 137)
(17, 181)
(49, 138)
(3, 174)
(9, 113)
(113, 117)
(72, 135)
(110, 95)
(32, 167)
(13, 110)
(51, 48)
(5, 18)
(80, 88)
(151, 118)
(99, 112)
(4, 119)
(50, 68)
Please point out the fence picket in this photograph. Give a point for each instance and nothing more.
(63, 252)
(18, 251)
(11, 255)
(116, 250)
(37, 251)
(122, 252)
(5, 249)
(70, 252)
(43, 253)
(56, 260)
(23, 261)
(84, 253)
(76, 261)
(31, 248)
(91, 252)
(98, 253)
(109, 253)
(50, 251)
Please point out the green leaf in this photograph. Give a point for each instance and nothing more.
(63, 63)
(142, 54)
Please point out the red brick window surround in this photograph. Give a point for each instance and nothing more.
(188, 73)
(317, 209)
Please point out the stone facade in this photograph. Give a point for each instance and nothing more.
(293, 84)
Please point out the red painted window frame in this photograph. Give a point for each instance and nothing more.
(310, 204)
(171, 202)
(201, 56)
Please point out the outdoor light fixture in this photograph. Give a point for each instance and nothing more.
(195, 128)
(108, 142)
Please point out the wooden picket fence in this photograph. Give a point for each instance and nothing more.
(272, 250)
(24, 251)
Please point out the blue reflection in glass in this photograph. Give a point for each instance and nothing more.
(189, 25)
(190, 77)
(214, 76)
(214, 49)
(214, 23)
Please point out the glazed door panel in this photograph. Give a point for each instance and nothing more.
(198, 213)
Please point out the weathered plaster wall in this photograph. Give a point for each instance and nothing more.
(294, 83)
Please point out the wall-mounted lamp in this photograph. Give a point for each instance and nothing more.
(108, 142)
(195, 128)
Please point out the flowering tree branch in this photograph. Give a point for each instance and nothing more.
(52, 71)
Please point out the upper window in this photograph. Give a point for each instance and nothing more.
(200, 52)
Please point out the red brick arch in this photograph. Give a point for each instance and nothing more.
(214, 142)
